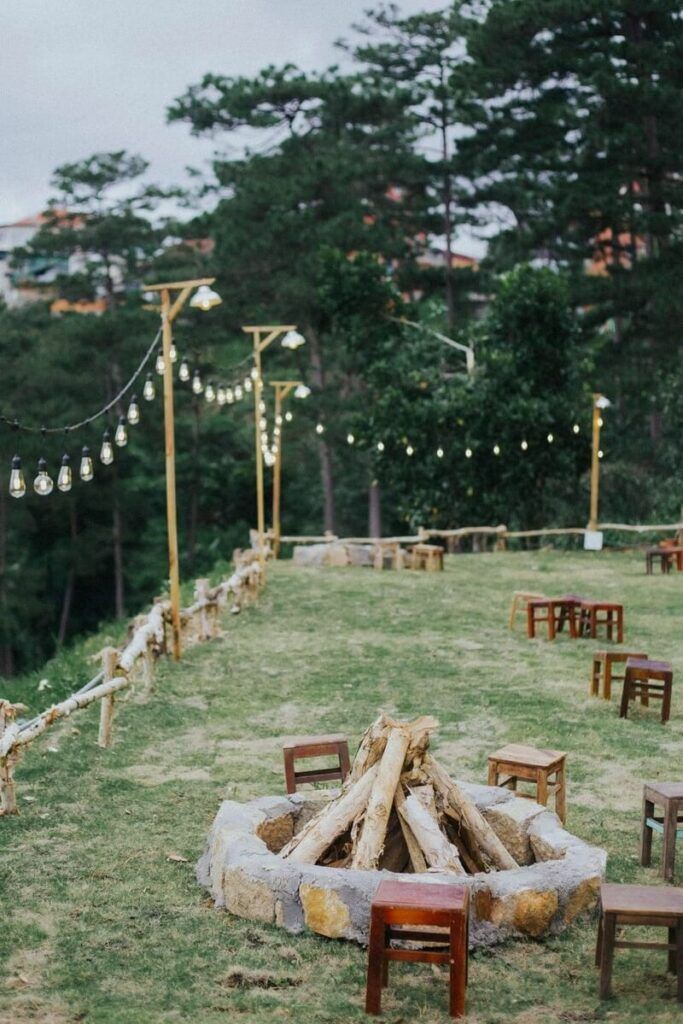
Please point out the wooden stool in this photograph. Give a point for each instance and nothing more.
(595, 614)
(668, 796)
(520, 599)
(647, 679)
(418, 903)
(640, 905)
(427, 556)
(315, 746)
(558, 610)
(675, 551)
(521, 762)
(602, 674)
(653, 554)
(390, 548)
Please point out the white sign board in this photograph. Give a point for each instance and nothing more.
(592, 540)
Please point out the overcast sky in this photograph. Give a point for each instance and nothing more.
(82, 76)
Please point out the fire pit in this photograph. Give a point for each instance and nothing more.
(399, 815)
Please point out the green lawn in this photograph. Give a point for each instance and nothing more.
(99, 925)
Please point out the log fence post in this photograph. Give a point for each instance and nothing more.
(109, 663)
(201, 593)
(8, 789)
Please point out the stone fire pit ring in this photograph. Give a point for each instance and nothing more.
(559, 878)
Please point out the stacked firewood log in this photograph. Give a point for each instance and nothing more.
(399, 810)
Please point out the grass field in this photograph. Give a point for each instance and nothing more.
(99, 925)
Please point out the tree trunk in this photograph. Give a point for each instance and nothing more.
(374, 510)
(324, 451)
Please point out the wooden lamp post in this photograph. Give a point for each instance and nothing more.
(262, 336)
(174, 295)
(599, 403)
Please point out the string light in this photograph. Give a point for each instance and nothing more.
(149, 391)
(319, 428)
(350, 439)
(248, 385)
(601, 422)
(197, 386)
(380, 446)
(64, 479)
(468, 453)
(269, 458)
(410, 450)
(86, 471)
(289, 416)
(278, 420)
(550, 438)
(173, 352)
(524, 446)
(107, 450)
(17, 483)
(220, 394)
(184, 370)
(133, 411)
(262, 408)
(210, 393)
(601, 454)
(229, 396)
(576, 428)
(439, 453)
(496, 449)
(121, 434)
(263, 423)
(43, 483)
(238, 392)
(160, 365)
(254, 373)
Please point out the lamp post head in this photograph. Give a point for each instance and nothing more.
(601, 402)
(205, 298)
(301, 391)
(293, 340)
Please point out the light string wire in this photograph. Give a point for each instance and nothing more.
(15, 425)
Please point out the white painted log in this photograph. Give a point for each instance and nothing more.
(331, 822)
(373, 835)
(150, 634)
(437, 850)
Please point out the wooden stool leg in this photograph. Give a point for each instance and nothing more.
(385, 961)
(493, 773)
(646, 834)
(560, 795)
(595, 678)
(530, 622)
(620, 625)
(666, 701)
(607, 680)
(290, 781)
(598, 944)
(671, 958)
(458, 957)
(625, 696)
(609, 927)
(679, 959)
(542, 787)
(669, 844)
(551, 622)
(373, 990)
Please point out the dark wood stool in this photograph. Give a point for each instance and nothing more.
(595, 615)
(668, 796)
(645, 679)
(641, 905)
(554, 612)
(522, 762)
(664, 555)
(602, 673)
(315, 746)
(418, 903)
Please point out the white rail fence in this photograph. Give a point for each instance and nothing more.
(122, 669)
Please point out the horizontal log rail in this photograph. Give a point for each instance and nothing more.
(146, 642)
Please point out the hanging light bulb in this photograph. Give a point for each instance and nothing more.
(263, 423)
(173, 352)
(107, 449)
(64, 479)
(410, 450)
(278, 420)
(17, 484)
(289, 416)
(210, 392)
(576, 428)
(238, 392)
(197, 386)
(262, 408)
(133, 411)
(350, 439)
(468, 453)
(275, 449)
(276, 431)
(551, 438)
(121, 434)
(601, 454)
(601, 422)
(254, 373)
(149, 391)
(248, 385)
(229, 396)
(496, 449)
(86, 472)
(301, 391)
(524, 446)
(319, 428)
(220, 394)
(43, 484)
(160, 365)
(439, 453)
(269, 458)
(380, 446)
(184, 370)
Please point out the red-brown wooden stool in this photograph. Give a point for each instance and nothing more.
(396, 904)
(663, 555)
(595, 615)
(640, 905)
(554, 612)
(645, 679)
(315, 746)
(546, 768)
(603, 674)
(668, 796)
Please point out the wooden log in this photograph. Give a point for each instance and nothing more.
(371, 746)
(109, 665)
(416, 855)
(479, 833)
(322, 830)
(8, 729)
(371, 842)
(150, 634)
(438, 852)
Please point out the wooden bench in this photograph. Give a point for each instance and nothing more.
(416, 905)
(639, 905)
(334, 745)
(520, 599)
(668, 796)
(645, 679)
(596, 615)
(518, 761)
(426, 556)
(602, 673)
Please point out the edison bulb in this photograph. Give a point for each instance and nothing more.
(319, 428)
(439, 453)
(43, 484)
(210, 392)
(269, 458)
(254, 373)
(197, 386)
(160, 365)
(524, 446)
(229, 396)
(262, 408)
(173, 352)
(576, 428)
(380, 446)
(184, 371)
(17, 483)
(86, 470)
(468, 453)
(149, 391)
(248, 384)
(220, 395)
(551, 438)
(121, 434)
(289, 416)
(64, 478)
(496, 449)
(410, 450)
(350, 439)
(263, 423)
(278, 420)
(238, 392)
(107, 449)
(134, 411)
